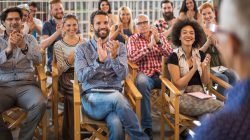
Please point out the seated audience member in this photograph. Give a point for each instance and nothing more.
(208, 16)
(105, 6)
(232, 122)
(124, 28)
(146, 49)
(165, 24)
(64, 50)
(189, 69)
(101, 65)
(189, 10)
(26, 12)
(19, 53)
(34, 23)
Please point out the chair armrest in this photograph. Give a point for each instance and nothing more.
(219, 81)
(41, 73)
(170, 86)
(76, 95)
(134, 91)
(132, 65)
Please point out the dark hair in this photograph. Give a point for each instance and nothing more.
(98, 12)
(184, 7)
(99, 5)
(69, 16)
(5, 13)
(200, 36)
(33, 4)
(166, 1)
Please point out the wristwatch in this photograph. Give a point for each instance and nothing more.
(25, 50)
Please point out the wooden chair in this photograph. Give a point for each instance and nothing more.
(170, 106)
(15, 116)
(98, 128)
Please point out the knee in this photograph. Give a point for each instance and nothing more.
(114, 124)
(222, 77)
(142, 80)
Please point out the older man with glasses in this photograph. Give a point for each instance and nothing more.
(146, 50)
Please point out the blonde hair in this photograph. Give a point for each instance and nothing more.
(126, 9)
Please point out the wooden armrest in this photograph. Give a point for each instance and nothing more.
(76, 95)
(132, 65)
(219, 81)
(41, 73)
(135, 92)
(170, 86)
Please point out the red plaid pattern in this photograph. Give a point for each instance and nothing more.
(148, 61)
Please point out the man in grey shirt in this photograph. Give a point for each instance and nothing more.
(18, 54)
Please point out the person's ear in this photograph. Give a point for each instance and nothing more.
(91, 27)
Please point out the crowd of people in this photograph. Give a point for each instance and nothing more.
(193, 42)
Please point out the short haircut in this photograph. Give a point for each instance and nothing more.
(99, 5)
(167, 1)
(200, 36)
(95, 13)
(33, 4)
(5, 13)
(51, 2)
(141, 15)
(206, 5)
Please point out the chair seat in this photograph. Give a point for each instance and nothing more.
(87, 120)
(14, 117)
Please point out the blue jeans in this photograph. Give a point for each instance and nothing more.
(227, 76)
(145, 84)
(50, 57)
(117, 113)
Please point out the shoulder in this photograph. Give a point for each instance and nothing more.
(58, 44)
(29, 38)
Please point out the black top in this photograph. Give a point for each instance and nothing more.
(196, 79)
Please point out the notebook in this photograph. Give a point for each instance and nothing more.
(199, 95)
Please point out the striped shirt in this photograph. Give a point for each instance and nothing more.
(62, 51)
(19, 66)
(93, 74)
(148, 61)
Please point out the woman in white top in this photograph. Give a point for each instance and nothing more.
(64, 50)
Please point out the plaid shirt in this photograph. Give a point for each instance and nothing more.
(148, 61)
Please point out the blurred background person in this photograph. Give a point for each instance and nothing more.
(124, 28)
(189, 10)
(105, 6)
(34, 23)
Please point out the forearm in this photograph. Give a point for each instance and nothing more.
(204, 47)
(205, 78)
(183, 81)
(48, 41)
(38, 29)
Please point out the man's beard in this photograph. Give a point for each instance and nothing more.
(168, 16)
(101, 35)
(58, 17)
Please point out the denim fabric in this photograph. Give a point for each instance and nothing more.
(27, 97)
(227, 76)
(116, 111)
(145, 84)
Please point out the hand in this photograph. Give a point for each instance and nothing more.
(59, 28)
(154, 31)
(101, 50)
(71, 57)
(113, 46)
(120, 28)
(21, 43)
(152, 42)
(12, 41)
(31, 24)
(206, 62)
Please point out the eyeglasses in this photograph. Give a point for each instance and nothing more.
(11, 19)
(142, 23)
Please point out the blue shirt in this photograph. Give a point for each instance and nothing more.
(93, 74)
(233, 121)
